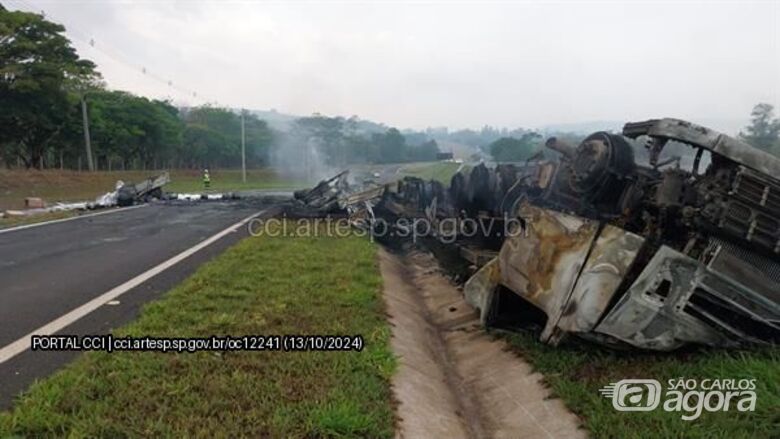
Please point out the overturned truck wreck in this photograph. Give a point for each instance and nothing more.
(651, 256)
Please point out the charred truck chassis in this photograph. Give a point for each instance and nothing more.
(654, 257)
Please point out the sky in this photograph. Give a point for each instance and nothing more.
(456, 64)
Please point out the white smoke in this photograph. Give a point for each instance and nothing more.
(300, 157)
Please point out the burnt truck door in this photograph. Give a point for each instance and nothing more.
(566, 265)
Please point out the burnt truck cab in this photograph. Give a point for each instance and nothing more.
(653, 256)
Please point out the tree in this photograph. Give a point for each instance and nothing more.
(391, 146)
(258, 140)
(326, 134)
(427, 151)
(216, 135)
(202, 145)
(764, 129)
(42, 83)
(359, 149)
(212, 137)
(508, 149)
(38, 67)
(133, 128)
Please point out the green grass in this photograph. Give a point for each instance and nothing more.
(230, 180)
(441, 171)
(261, 286)
(54, 185)
(575, 371)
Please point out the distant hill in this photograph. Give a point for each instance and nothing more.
(731, 127)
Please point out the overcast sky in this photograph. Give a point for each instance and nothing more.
(459, 64)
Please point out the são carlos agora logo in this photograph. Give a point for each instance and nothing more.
(688, 396)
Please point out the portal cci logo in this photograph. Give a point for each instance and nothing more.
(633, 395)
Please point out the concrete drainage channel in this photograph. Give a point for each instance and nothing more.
(443, 385)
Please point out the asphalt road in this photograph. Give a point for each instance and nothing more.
(47, 271)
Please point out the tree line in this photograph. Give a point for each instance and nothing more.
(46, 89)
(344, 141)
(763, 133)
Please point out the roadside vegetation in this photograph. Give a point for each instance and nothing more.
(47, 88)
(262, 286)
(576, 371)
(441, 171)
(511, 149)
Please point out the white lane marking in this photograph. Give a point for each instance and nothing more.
(89, 215)
(22, 344)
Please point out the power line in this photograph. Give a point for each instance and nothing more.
(106, 50)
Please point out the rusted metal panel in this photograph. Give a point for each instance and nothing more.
(479, 290)
(477, 256)
(542, 263)
(545, 175)
(609, 261)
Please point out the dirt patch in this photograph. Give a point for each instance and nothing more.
(454, 380)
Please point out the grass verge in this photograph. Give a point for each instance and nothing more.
(223, 180)
(576, 371)
(441, 171)
(262, 286)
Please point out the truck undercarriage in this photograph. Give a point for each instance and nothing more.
(652, 256)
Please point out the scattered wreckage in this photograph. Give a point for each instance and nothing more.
(335, 195)
(650, 256)
(129, 194)
(124, 194)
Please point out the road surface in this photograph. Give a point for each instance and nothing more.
(48, 271)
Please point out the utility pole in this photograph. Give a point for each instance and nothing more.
(85, 121)
(243, 148)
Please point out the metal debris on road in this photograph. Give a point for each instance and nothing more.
(124, 194)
